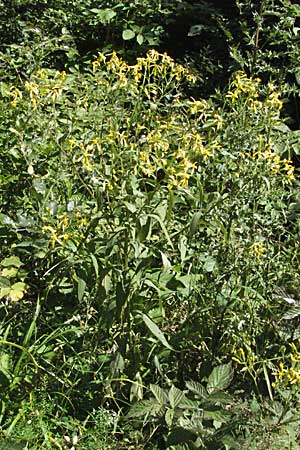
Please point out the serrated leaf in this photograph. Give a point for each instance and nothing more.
(292, 313)
(175, 396)
(145, 408)
(220, 378)
(188, 404)
(155, 330)
(219, 397)
(128, 34)
(159, 394)
(218, 415)
(197, 388)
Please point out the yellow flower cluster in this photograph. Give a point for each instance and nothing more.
(66, 228)
(155, 64)
(286, 375)
(16, 95)
(40, 88)
(289, 374)
(84, 152)
(248, 88)
(258, 249)
(275, 163)
(169, 146)
(242, 85)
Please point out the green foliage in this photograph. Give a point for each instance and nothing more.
(149, 245)
(193, 417)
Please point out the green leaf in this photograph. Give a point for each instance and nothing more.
(169, 417)
(195, 222)
(175, 396)
(155, 330)
(144, 409)
(17, 291)
(218, 415)
(166, 263)
(210, 264)
(118, 364)
(292, 313)
(4, 292)
(128, 34)
(39, 186)
(220, 378)
(81, 288)
(9, 272)
(179, 436)
(11, 261)
(104, 15)
(197, 388)
(140, 39)
(95, 264)
(159, 394)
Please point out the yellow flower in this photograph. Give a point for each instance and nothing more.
(258, 249)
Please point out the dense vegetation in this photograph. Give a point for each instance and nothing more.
(149, 252)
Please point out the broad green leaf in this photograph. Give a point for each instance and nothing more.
(145, 408)
(39, 186)
(163, 227)
(210, 264)
(4, 291)
(180, 436)
(155, 330)
(218, 415)
(197, 388)
(17, 291)
(169, 417)
(166, 263)
(9, 272)
(4, 282)
(81, 288)
(11, 261)
(104, 15)
(140, 39)
(195, 222)
(220, 378)
(175, 396)
(159, 394)
(95, 264)
(128, 34)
